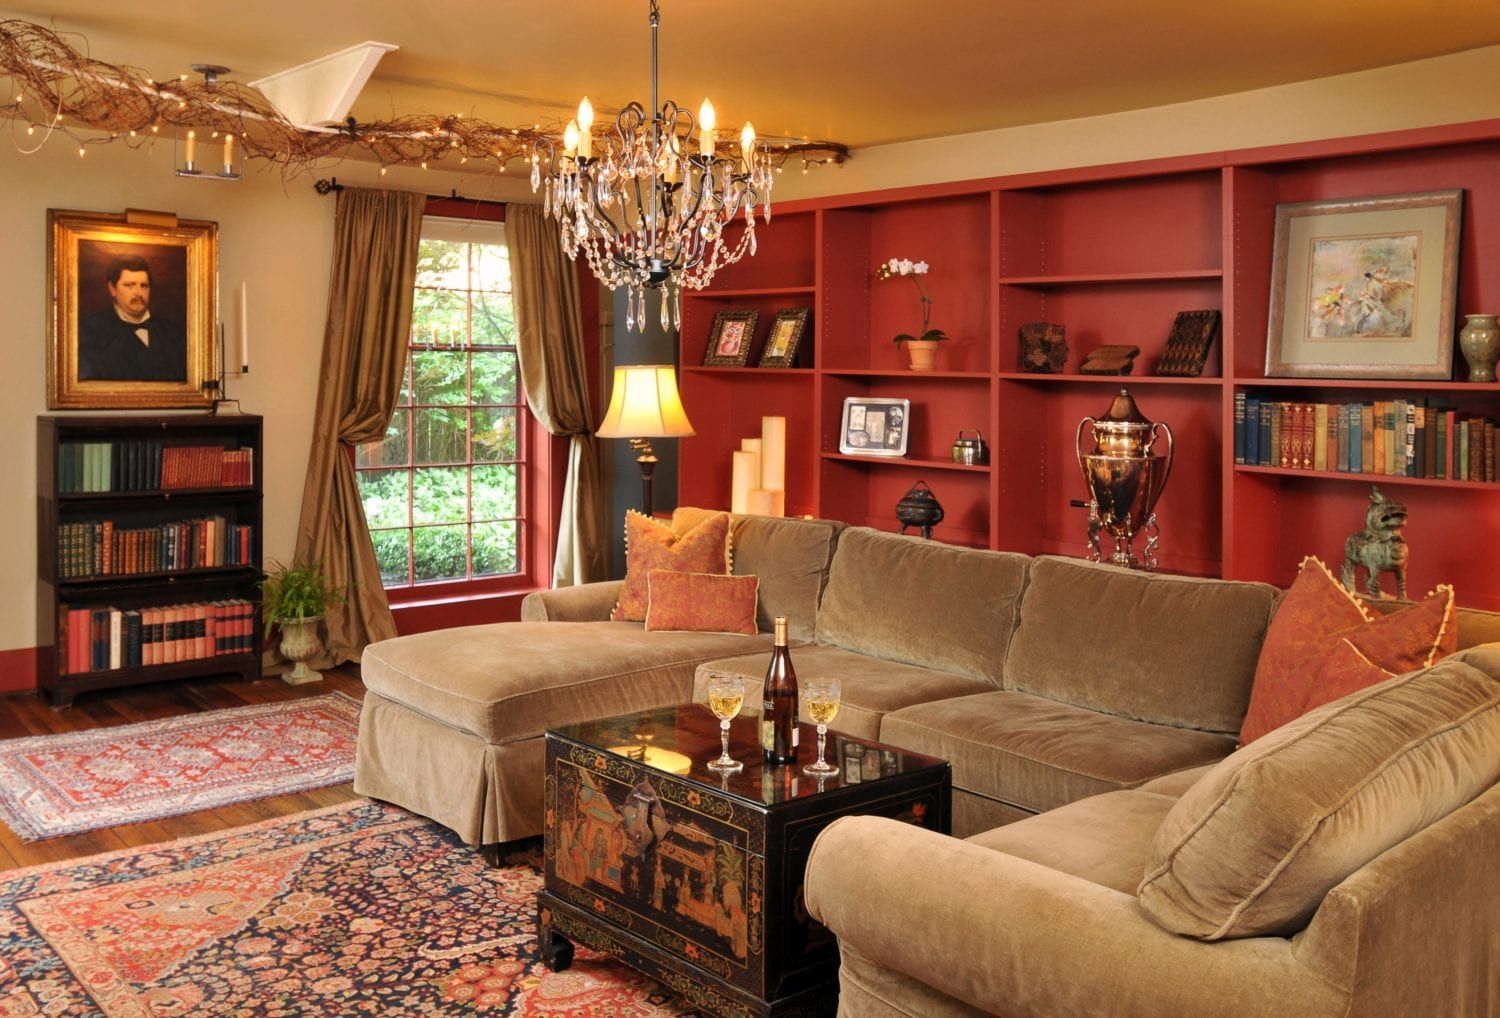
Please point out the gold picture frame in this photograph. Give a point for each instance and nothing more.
(1365, 287)
(731, 339)
(133, 310)
(785, 337)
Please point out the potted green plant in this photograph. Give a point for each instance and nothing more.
(923, 346)
(294, 598)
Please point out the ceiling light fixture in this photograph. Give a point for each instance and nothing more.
(650, 209)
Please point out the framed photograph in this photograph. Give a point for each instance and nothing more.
(132, 315)
(874, 426)
(730, 341)
(1365, 287)
(785, 337)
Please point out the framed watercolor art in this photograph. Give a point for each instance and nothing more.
(785, 337)
(730, 341)
(1365, 287)
(132, 311)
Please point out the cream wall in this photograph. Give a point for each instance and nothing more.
(274, 236)
(1444, 90)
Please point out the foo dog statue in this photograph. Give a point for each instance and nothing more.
(1379, 547)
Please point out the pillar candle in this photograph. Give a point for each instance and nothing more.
(773, 453)
(752, 446)
(744, 481)
(192, 148)
(228, 154)
(762, 502)
(244, 327)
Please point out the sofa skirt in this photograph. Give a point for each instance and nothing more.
(483, 793)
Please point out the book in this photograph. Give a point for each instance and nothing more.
(1239, 427)
(1320, 436)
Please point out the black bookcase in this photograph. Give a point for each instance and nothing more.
(60, 440)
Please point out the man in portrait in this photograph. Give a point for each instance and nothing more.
(126, 341)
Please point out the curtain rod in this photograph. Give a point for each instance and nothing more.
(328, 185)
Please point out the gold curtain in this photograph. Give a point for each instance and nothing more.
(549, 340)
(375, 239)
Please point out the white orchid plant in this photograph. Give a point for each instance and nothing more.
(914, 271)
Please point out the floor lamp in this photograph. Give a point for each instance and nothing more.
(643, 405)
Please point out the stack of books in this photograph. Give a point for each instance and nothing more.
(105, 639)
(1425, 437)
(97, 548)
(145, 465)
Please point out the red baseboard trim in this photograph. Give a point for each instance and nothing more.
(20, 668)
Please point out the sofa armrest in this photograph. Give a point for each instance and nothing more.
(1012, 937)
(589, 602)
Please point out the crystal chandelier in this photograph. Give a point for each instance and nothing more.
(648, 202)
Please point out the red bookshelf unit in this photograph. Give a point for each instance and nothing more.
(1112, 253)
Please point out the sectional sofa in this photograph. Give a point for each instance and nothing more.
(1075, 701)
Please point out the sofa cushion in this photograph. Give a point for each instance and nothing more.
(1253, 848)
(514, 680)
(1387, 646)
(872, 687)
(1040, 754)
(1178, 782)
(701, 603)
(1174, 650)
(1105, 838)
(922, 602)
(651, 545)
(790, 556)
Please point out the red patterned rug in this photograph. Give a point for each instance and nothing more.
(357, 909)
(52, 785)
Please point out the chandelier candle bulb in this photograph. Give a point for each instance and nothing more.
(192, 150)
(228, 154)
(570, 138)
(706, 124)
(585, 125)
(747, 139)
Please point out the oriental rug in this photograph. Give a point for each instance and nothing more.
(358, 909)
(52, 785)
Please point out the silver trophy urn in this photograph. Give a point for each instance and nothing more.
(1125, 476)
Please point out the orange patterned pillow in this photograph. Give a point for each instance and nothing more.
(1390, 645)
(1315, 607)
(702, 603)
(651, 545)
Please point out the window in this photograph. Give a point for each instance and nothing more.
(444, 492)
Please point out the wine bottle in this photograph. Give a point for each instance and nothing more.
(778, 715)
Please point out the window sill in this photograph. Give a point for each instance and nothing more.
(451, 610)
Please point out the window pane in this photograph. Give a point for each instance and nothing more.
(495, 375)
(385, 496)
(441, 435)
(495, 493)
(441, 553)
(443, 263)
(392, 552)
(491, 267)
(494, 318)
(494, 434)
(496, 549)
(390, 452)
(440, 376)
(440, 495)
(439, 318)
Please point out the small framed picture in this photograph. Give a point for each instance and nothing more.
(785, 337)
(730, 341)
(874, 426)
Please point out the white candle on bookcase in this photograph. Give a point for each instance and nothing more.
(773, 453)
(745, 478)
(762, 502)
(244, 310)
(752, 446)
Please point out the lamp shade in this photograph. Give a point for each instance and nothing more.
(644, 404)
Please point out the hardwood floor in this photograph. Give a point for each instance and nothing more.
(29, 714)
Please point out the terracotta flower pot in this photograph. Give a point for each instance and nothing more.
(923, 354)
(299, 645)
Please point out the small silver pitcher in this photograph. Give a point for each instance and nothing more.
(970, 451)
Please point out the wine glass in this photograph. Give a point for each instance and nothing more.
(726, 693)
(821, 701)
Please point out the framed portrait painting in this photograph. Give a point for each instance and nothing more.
(875, 426)
(132, 310)
(1365, 287)
(786, 336)
(730, 341)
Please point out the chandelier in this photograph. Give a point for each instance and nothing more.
(649, 202)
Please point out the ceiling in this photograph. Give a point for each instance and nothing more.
(861, 72)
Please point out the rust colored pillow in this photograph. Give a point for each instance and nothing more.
(1316, 608)
(1390, 645)
(1323, 645)
(651, 545)
(702, 603)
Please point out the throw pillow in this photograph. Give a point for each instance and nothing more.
(650, 545)
(1256, 844)
(1314, 609)
(702, 603)
(1390, 645)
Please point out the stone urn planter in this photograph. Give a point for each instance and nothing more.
(1480, 342)
(300, 643)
